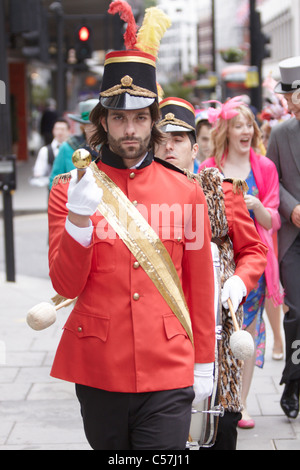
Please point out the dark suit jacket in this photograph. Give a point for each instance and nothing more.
(284, 151)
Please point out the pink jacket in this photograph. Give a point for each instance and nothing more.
(267, 181)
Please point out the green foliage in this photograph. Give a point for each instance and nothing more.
(179, 90)
(232, 55)
(150, 3)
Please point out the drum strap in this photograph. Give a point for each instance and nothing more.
(144, 244)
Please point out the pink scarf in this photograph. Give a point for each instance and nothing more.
(267, 181)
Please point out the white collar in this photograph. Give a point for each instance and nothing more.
(55, 144)
(139, 163)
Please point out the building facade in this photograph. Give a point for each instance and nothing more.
(178, 53)
(189, 41)
(281, 21)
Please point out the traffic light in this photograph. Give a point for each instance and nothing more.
(266, 40)
(259, 41)
(28, 18)
(36, 41)
(83, 43)
(259, 52)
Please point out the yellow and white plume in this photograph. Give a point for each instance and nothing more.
(153, 28)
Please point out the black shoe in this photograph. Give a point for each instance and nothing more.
(290, 399)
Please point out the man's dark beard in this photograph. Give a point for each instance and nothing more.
(132, 153)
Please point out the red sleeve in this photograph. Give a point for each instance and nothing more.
(69, 262)
(250, 253)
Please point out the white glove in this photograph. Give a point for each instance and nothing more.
(84, 196)
(236, 290)
(203, 381)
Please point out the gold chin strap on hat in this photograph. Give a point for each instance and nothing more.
(171, 119)
(127, 86)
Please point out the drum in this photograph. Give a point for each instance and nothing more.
(205, 415)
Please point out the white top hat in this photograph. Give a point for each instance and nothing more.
(290, 75)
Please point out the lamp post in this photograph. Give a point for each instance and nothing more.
(213, 29)
(5, 151)
(57, 8)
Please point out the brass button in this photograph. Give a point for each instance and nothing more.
(132, 175)
(135, 203)
(136, 296)
(79, 329)
(136, 265)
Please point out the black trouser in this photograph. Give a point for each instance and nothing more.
(227, 432)
(136, 421)
(289, 272)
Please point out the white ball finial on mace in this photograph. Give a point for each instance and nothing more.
(241, 342)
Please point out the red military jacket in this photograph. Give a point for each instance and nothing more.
(250, 253)
(121, 335)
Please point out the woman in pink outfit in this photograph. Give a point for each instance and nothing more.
(235, 139)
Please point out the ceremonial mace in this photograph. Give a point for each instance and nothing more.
(81, 159)
(241, 341)
(43, 315)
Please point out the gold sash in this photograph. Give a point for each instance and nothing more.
(144, 244)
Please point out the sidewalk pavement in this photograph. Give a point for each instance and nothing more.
(42, 413)
(37, 412)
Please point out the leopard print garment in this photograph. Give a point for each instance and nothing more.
(210, 180)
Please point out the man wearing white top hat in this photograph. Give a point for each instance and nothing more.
(283, 149)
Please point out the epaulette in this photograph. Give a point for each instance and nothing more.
(63, 178)
(238, 185)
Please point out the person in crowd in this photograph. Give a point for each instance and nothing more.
(203, 129)
(275, 111)
(283, 150)
(140, 342)
(239, 244)
(179, 147)
(63, 162)
(48, 153)
(236, 137)
(48, 120)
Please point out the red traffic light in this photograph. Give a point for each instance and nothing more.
(84, 33)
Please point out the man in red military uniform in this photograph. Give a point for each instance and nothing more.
(242, 253)
(137, 369)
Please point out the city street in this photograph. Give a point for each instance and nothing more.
(41, 413)
(37, 412)
(229, 69)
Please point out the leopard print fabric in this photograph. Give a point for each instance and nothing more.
(230, 368)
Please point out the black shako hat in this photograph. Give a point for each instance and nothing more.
(129, 80)
(178, 115)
